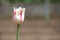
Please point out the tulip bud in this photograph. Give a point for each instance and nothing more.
(19, 14)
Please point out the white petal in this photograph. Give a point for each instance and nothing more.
(23, 14)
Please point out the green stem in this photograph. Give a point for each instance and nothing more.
(18, 29)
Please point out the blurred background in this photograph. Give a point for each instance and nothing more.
(42, 20)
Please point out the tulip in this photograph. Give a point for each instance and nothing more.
(18, 16)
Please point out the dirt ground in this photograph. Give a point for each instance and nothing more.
(31, 29)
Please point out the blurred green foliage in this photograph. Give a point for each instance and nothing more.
(31, 1)
(15, 1)
(55, 1)
(39, 1)
(34, 1)
(26, 1)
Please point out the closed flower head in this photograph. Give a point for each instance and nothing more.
(19, 14)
